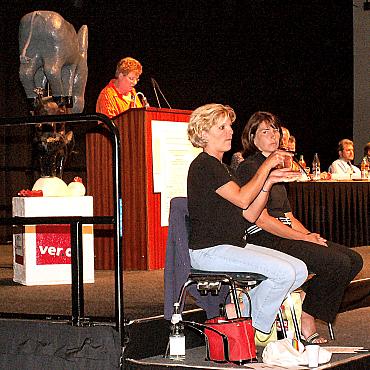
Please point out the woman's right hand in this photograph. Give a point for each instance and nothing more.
(283, 175)
(277, 158)
(315, 238)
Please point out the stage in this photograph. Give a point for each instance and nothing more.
(146, 328)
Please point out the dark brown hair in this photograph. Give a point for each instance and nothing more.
(251, 127)
(366, 148)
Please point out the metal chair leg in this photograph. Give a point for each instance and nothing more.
(281, 320)
(294, 316)
(331, 331)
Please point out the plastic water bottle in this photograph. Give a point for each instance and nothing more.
(316, 167)
(177, 337)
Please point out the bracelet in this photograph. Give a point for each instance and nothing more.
(264, 191)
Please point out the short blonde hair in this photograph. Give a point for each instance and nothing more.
(343, 143)
(127, 65)
(205, 117)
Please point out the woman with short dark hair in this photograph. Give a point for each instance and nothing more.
(276, 228)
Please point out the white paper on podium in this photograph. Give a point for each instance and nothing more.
(172, 155)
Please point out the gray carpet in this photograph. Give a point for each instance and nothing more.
(143, 297)
(143, 291)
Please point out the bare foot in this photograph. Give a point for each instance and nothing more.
(308, 328)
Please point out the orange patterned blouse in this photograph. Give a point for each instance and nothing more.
(112, 103)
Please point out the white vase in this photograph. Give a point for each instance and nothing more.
(51, 187)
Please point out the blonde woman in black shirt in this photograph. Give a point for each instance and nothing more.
(218, 208)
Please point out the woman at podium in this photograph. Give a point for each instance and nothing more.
(120, 94)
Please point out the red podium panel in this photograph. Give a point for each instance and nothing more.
(143, 237)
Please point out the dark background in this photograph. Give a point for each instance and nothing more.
(293, 58)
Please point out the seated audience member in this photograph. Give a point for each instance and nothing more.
(284, 140)
(334, 265)
(218, 209)
(343, 165)
(367, 152)
(291, 144)
(120, 94)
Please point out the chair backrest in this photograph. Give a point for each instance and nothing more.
(179, 226)
(177, 264)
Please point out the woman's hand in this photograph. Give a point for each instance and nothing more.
(315, 238)
(283, 175)
(278, 158)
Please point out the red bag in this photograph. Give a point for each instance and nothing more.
(230, 340)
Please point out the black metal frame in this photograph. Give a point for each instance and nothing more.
(208, 281)
(78, 316)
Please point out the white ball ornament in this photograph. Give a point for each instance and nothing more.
(51, 187)
(76, 188)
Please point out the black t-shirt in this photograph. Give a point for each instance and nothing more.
(278, 202)
(213, 219)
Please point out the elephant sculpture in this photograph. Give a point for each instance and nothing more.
(51, 52)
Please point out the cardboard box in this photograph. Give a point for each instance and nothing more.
(42, 253)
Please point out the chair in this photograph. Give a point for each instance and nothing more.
(181, 278)
(211, 282)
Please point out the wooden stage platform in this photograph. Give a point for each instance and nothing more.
(147, 329)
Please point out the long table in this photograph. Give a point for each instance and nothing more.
(338, 210)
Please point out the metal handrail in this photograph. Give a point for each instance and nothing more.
(76, 222)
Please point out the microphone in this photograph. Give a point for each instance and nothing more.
(155, 87)
(143, 99)
(155, 91)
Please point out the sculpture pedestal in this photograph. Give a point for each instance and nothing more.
(42, 253)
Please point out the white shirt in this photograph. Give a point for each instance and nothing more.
(343, 167)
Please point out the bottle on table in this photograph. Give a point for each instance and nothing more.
(364, 169)
(302, 162)
(316, 167)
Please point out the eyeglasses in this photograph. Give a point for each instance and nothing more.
(133, 79)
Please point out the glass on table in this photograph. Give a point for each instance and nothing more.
(288, 163)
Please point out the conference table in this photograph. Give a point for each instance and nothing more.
(338, 210)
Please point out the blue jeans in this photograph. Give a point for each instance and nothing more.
(284, 274)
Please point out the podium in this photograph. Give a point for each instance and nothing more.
(144, 238)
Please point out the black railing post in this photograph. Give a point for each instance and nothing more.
(76, 236)
(77, 289)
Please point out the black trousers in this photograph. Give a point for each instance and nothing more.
(334, 268)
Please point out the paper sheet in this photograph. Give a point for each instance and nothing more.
(338, 349)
